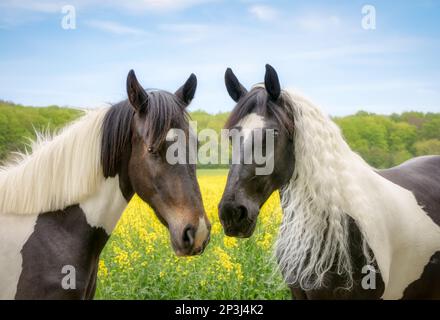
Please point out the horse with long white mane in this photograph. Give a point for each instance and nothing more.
(60, 203)
(342, 219)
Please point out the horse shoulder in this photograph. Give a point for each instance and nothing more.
(60, 258)
(421, 176)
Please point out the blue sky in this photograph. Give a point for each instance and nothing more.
(317, 47)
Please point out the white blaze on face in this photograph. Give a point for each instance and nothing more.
(252, 131)
(249, 123)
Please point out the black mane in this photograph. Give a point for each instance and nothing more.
(163, 113)
(257, 101)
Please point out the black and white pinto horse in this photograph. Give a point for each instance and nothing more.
(59, 204)
(341, 217)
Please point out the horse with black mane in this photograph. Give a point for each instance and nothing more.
(59, 204)
(341, 217)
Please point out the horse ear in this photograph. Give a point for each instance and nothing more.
(234, 87)
(187, 91)
(137, 96)
(272, 83)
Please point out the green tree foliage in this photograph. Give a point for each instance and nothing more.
(383, 141)
(216, 122)
(18, 124)
(431, 146)
(207, 120)
(386, 141)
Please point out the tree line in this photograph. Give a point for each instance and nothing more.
(383, 141)
(18, 124)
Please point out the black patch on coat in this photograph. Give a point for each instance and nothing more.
(61, 238)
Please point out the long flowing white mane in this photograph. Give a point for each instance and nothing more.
(314, 235)
(58, 172)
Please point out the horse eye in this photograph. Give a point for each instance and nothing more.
(150, 150)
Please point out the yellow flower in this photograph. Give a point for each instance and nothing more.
(266, 242)
(224, 259)
(238, 272)
(140, 241)
(135, 255)
(102, 269)
(121, 258)
(229, 242)
(216, 228)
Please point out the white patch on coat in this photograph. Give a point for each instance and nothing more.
(400, 233)
(104, 208)
(14, 232)
(330, 183)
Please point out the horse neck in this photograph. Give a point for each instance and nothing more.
(330, 184)
(59, 172)
(326, 184)
(326, 169)
(104, 208)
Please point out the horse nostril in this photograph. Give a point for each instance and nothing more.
(188, 236)
(241, 214)
(225, 210)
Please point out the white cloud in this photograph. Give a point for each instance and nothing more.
(318, 23)
(42, 6)
(184, 27)
(114, 27)
(53, 6)
(158, 5)
(263, 12)
(189, 33)
(17, 12)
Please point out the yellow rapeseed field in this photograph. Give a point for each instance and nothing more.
(138, 262)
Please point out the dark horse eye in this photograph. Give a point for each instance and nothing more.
(150, 150)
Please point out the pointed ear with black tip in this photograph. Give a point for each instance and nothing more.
(234, 87)
(272, 83)
(137, 96)
(187, 91)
